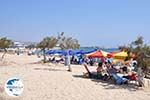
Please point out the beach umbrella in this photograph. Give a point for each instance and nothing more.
(97, 54)
(118, 55)
(61, 52)
(56, 52)
(70, 52)
(110, 55)
(81, 52)
(87, 52)
(49, 52)
(77, 52)
(115, 61)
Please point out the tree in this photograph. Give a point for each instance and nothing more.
(141, 50)
(47, 42)
(5, 43)
(66, 43)
(138, 42)
(69, 43)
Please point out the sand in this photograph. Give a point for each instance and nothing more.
(53, 82)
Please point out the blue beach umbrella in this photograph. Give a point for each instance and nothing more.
(59, 52)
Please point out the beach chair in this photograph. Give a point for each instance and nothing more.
(90, 74)
(85, 65)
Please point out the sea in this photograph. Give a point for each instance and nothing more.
(98, 48)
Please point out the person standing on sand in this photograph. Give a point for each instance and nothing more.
(141, 75)
(67, 62)
(18, 51)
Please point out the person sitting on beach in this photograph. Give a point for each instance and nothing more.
(134, 67)
(91, 62)
(127, 73)
(100, 70)
(99, 74)
(53, 60)
(116, 77)
(125, 69)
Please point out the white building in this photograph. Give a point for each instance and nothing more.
(19, 45)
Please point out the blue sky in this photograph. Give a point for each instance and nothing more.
(107, 23)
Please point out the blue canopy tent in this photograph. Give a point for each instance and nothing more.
(49, 52)
(71, 52)
(82, 52)
(78, 53)
(53, 52)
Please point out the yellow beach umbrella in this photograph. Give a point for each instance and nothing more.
(115, 61)
(120, 55)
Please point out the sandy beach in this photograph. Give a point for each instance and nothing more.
(53, 82)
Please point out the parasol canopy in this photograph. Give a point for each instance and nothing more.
(118, 55)
(97, 54)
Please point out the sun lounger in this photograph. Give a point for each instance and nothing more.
(91, 74)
